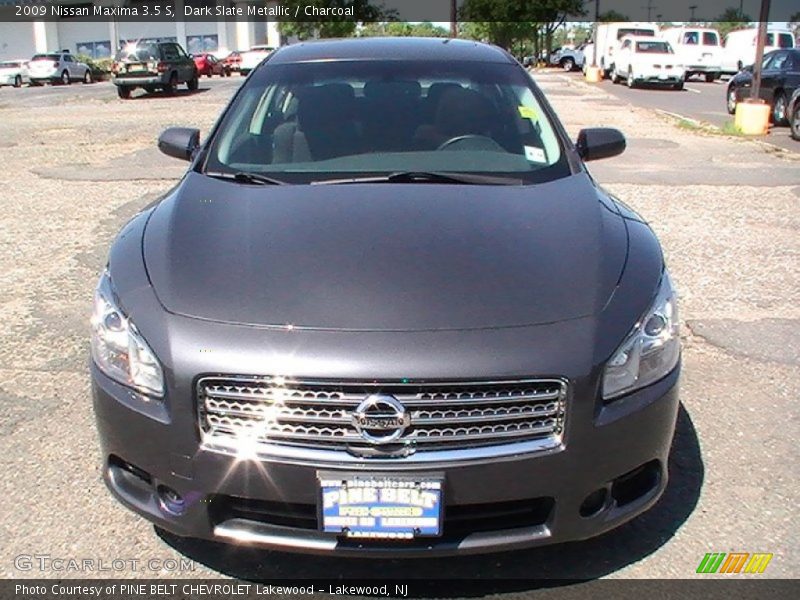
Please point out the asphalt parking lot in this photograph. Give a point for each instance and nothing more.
(698, 101)
(79, 162)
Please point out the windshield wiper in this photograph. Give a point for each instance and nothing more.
(244, 177)
(427, 177)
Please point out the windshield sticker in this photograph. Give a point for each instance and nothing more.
(526, 112)
(534, 154)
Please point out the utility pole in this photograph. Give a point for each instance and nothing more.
(596, 23)
(763, 17)
(649, 8)
(453, 19)
(692, 8)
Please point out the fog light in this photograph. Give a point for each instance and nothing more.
(171, 501)
(594, 502)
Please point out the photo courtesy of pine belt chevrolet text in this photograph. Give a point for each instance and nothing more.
(386, 312)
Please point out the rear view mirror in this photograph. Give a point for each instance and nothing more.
(179, 142)
(600, 142)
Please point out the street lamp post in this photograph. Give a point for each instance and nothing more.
(596, 21)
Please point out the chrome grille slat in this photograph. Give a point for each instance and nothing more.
(318, 414)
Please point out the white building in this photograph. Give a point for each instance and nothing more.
(101, 39)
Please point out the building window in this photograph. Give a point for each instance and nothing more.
(202, 43)
(94, 49)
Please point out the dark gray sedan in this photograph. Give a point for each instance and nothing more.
(387, 311)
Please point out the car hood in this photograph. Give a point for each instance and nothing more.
(401, 257)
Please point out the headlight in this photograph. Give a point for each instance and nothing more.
(118, 349)
(651, 350)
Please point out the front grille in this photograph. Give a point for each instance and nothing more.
(319, 414)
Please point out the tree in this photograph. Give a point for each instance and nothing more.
(400, 28)
(334, 26)
(513, 25)
(731, 20)
(794, 23)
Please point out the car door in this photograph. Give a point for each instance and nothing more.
(773, 75)
(186, 65)
(72, 67)
(625, 57)
(791, 76)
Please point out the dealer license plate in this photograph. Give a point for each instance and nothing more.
(381, 507)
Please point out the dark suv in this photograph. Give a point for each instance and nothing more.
(387, 311)
(153, 66)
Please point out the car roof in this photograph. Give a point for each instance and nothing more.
(395, 48)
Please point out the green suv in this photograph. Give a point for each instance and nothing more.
(153, 66)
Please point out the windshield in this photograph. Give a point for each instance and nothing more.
(46, 57)
(140, 52)
(654, 47)
(621, 33)
(314, 121)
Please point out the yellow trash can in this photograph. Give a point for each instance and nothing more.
(594, 74)
(752, 118)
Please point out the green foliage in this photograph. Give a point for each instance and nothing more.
(519, 24)
(100, 67)
(731, 20)
(402, 29)
(334, 26)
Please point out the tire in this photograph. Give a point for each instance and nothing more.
(171, 87)
(87, 76)
(567, 64)
(731, 100)
(615, 78)
(65, 78)
(123, 91)
(678, 87)
(193, 84)
(630, 81)
(779, 109)
(794, 122)
(17, 81)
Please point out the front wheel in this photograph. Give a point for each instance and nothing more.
(779, 109)
(123, 91)
(170, 88)
(567, 64)
(87, 76)
(65, 78)
(631, 81)
(193, 84)
(17, 81)
(794, 122)
(615, 78)
(678, 86)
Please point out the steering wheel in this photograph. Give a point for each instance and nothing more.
(478, 142)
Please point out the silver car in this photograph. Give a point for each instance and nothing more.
(14, 72)
(58, 67)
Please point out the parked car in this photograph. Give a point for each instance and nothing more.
(698, 48)
(568, 58)
(388, 312)
(57, 67)
(780, 77)
(740, 47)
(153, 66)
(647, 60)
(207, 64)
(610, 37)
(253, 57)
(233, 61)
(794, 114)
(14, 72)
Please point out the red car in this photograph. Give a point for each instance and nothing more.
(233, 61)
(209, 65)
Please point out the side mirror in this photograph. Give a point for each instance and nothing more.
(600, 142)
(179, 142)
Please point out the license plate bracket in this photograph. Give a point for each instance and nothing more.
(381, 506)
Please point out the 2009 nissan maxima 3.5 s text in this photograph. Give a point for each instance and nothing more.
(387, 311)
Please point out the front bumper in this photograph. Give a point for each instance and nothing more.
(143, 448)
(660, 77)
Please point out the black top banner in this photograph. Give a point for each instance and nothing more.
(519, 11)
